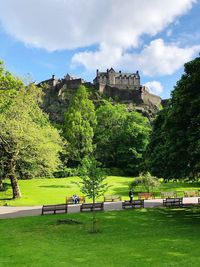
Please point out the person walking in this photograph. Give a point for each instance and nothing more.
(131, 195)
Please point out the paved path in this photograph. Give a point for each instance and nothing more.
(13, 212)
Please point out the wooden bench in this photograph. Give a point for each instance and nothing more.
(134, 204)
(168, 194)
(53, 209)
(194, 193)
(146, 195)
(112, 198)
(173, 202)
(91, 206)
(69, 200)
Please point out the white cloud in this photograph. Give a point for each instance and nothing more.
(68, 24)
(157, 58)
(154, 87)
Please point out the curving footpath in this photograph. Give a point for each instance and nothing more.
(14, 212)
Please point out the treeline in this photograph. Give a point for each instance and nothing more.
(117, 138)
(30, 146)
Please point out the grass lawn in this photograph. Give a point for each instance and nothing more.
(153, 238)
(54, 191)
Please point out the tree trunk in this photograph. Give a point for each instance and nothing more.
(13, 180)
(94, 230)
(1, 185)
(15, 186)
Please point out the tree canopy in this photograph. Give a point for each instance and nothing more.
(29, 144)
(80, 121)
(121, 137)
(176, 131)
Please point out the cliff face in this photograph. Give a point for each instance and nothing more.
(58, 94)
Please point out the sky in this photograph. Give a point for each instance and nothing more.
(39, 38)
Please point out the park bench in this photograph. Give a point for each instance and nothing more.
(168, 194)
(134, 204)
(112, 198)
(69, 200)
(146, 195)
(91, 206)
(194, 193)
(53, 209)
(173, 202)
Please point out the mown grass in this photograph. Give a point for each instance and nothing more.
(54, 191)
(147, 237)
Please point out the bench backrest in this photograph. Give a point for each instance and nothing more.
(173, 201)
(112, 198)
(48, 207)
(168, 194)
(146, 195)
(194, 193)
(134, 202)
(90, 205)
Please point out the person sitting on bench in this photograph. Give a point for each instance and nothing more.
(75, 199)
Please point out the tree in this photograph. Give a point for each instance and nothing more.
(180, 128)
(146, 180)
(29, 145)
(80, 121)
(121, 137)
(92, 184)
(157, 150)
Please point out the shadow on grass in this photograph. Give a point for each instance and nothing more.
(177, 219)
(55, 186)
(6, 198)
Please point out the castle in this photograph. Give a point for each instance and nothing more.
(119, 86)
(125, 87)
(121, 80)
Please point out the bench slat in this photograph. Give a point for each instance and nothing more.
(51, 209)
(134, 204)
(173, 202)
(91, 206)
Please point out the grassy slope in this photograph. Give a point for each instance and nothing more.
(52, 191)
(158, 237)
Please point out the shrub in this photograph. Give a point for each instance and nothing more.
(146, 180)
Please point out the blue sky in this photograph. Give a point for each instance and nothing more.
(39, 38)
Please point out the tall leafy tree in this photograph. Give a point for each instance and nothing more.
(29, 145)
(80, 120)
(181, 127)
(121, 137)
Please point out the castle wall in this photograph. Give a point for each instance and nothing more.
(150, 99)
(122, 95)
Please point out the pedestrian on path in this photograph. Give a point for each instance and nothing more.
(131, 195)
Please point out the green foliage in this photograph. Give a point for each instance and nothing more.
(93, 178)
(80, 121)
(176, 135)
(147, 181)
(7, 80)
(65, 172)
(121, 137)
(27, 128)
(29, 144)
